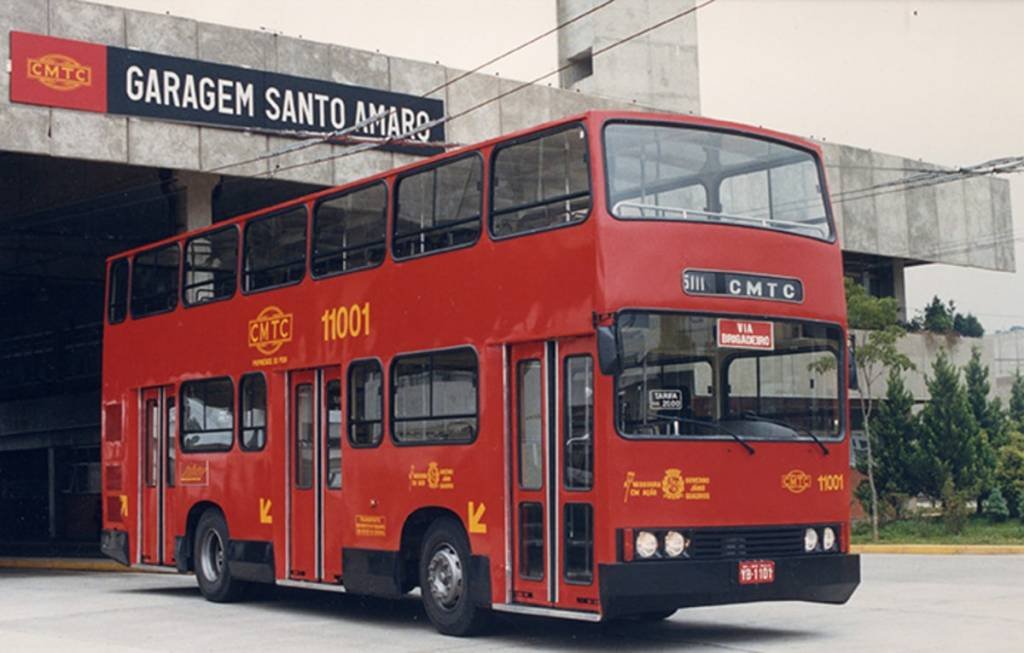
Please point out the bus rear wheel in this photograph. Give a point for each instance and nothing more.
(210, 554)
(446, 580)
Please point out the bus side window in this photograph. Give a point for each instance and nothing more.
(332, 406)
(275, 250)
(155, 281)
(542, 183)
(211, 262)
(349, 231)
(365, 403)
(117, 308)
(252, 391)
(438, 208)
(207, 415)
(434, 397)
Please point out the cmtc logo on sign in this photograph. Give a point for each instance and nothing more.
(742, 286)
(58, 72)
(746, 334)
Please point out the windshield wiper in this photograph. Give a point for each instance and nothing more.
(707, 424)
(796, 428)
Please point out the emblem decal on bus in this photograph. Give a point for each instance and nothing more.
(741, 285)
(796, 481)
(268, 332)
(195, 474)
(672, 486)
(435, 477)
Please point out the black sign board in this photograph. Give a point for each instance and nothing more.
(737, 284)
(173, 88)
(665, 399)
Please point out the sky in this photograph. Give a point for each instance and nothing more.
(932, 79)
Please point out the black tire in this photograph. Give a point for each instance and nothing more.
(651, 617)
(446, 581)
(210, 559)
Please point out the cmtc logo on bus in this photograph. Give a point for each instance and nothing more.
(59, 72)
(270, 330)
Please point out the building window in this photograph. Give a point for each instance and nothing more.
(434, 397)
(275, 250)
(541, 183)
(207, 415)
(211, 262)
(155, 281)
(252, 391)
(438, 208)
(117, 307)
(365, 403)
(349, 231)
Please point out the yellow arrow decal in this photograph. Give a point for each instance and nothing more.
(265, 516)
(476, 515)
(124, 505)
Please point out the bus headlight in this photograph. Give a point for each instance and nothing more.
(675, 544)
(646, 544)
(828, 539)
(810, 540)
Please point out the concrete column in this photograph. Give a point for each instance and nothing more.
(899, 287)
(198, 205)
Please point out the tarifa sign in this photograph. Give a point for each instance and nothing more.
(70, 74)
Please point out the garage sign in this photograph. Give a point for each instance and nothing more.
(70, 74)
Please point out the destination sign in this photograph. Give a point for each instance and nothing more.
(741, 285)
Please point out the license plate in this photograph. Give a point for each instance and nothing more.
(756, 572)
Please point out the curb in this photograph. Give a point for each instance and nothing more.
(940, 549)
(63, 564)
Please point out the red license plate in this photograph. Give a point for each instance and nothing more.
(756, 572)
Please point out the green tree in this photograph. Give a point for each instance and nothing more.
(938, 318)
(988, 416)
(950, 436)
(996, 507)
(894, 432)
(968, 325)
(1017, 400)
(1010, 472)
(875, 355)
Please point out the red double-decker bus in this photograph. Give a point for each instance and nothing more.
(595, 369)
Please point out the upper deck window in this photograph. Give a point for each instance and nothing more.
(438, 208)
(117, 306)
(662, 172)
(155, 281)
(275, 250)
(211, 266)
(541, 183)
(348, 231)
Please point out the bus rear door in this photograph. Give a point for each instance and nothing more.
(157, 454)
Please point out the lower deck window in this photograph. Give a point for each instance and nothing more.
(207, 415)
(579, 542)
(434, 397)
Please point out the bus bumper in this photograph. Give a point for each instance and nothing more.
(114, 544)
(644, 587)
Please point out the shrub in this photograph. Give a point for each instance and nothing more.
(996, 507)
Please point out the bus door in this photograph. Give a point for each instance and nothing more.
(156, 449)
(314, 473)
(551, 407)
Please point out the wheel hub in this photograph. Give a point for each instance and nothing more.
(212, 561)
(444, 576)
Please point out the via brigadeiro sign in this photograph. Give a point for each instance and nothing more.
(70, 74)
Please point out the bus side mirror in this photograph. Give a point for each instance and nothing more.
(607, 351)
(852, 364)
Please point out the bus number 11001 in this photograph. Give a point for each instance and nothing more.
(346, 322)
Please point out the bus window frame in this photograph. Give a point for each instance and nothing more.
(391, 399)
(826, 197)
(245, 237)
(526, 138)
(238, 266)
(396, 185)
(182, 449)
(177, 279)
(127, 289)
(388, 199)
(842, 399)
(384, 401)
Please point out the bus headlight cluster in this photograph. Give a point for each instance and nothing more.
(820, 539)
(663, 544)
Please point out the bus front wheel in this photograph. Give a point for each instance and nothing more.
(211, 561)
(445, 580)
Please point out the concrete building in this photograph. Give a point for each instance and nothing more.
(81, 182)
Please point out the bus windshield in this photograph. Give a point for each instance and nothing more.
(686, 375)
(665, 172)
